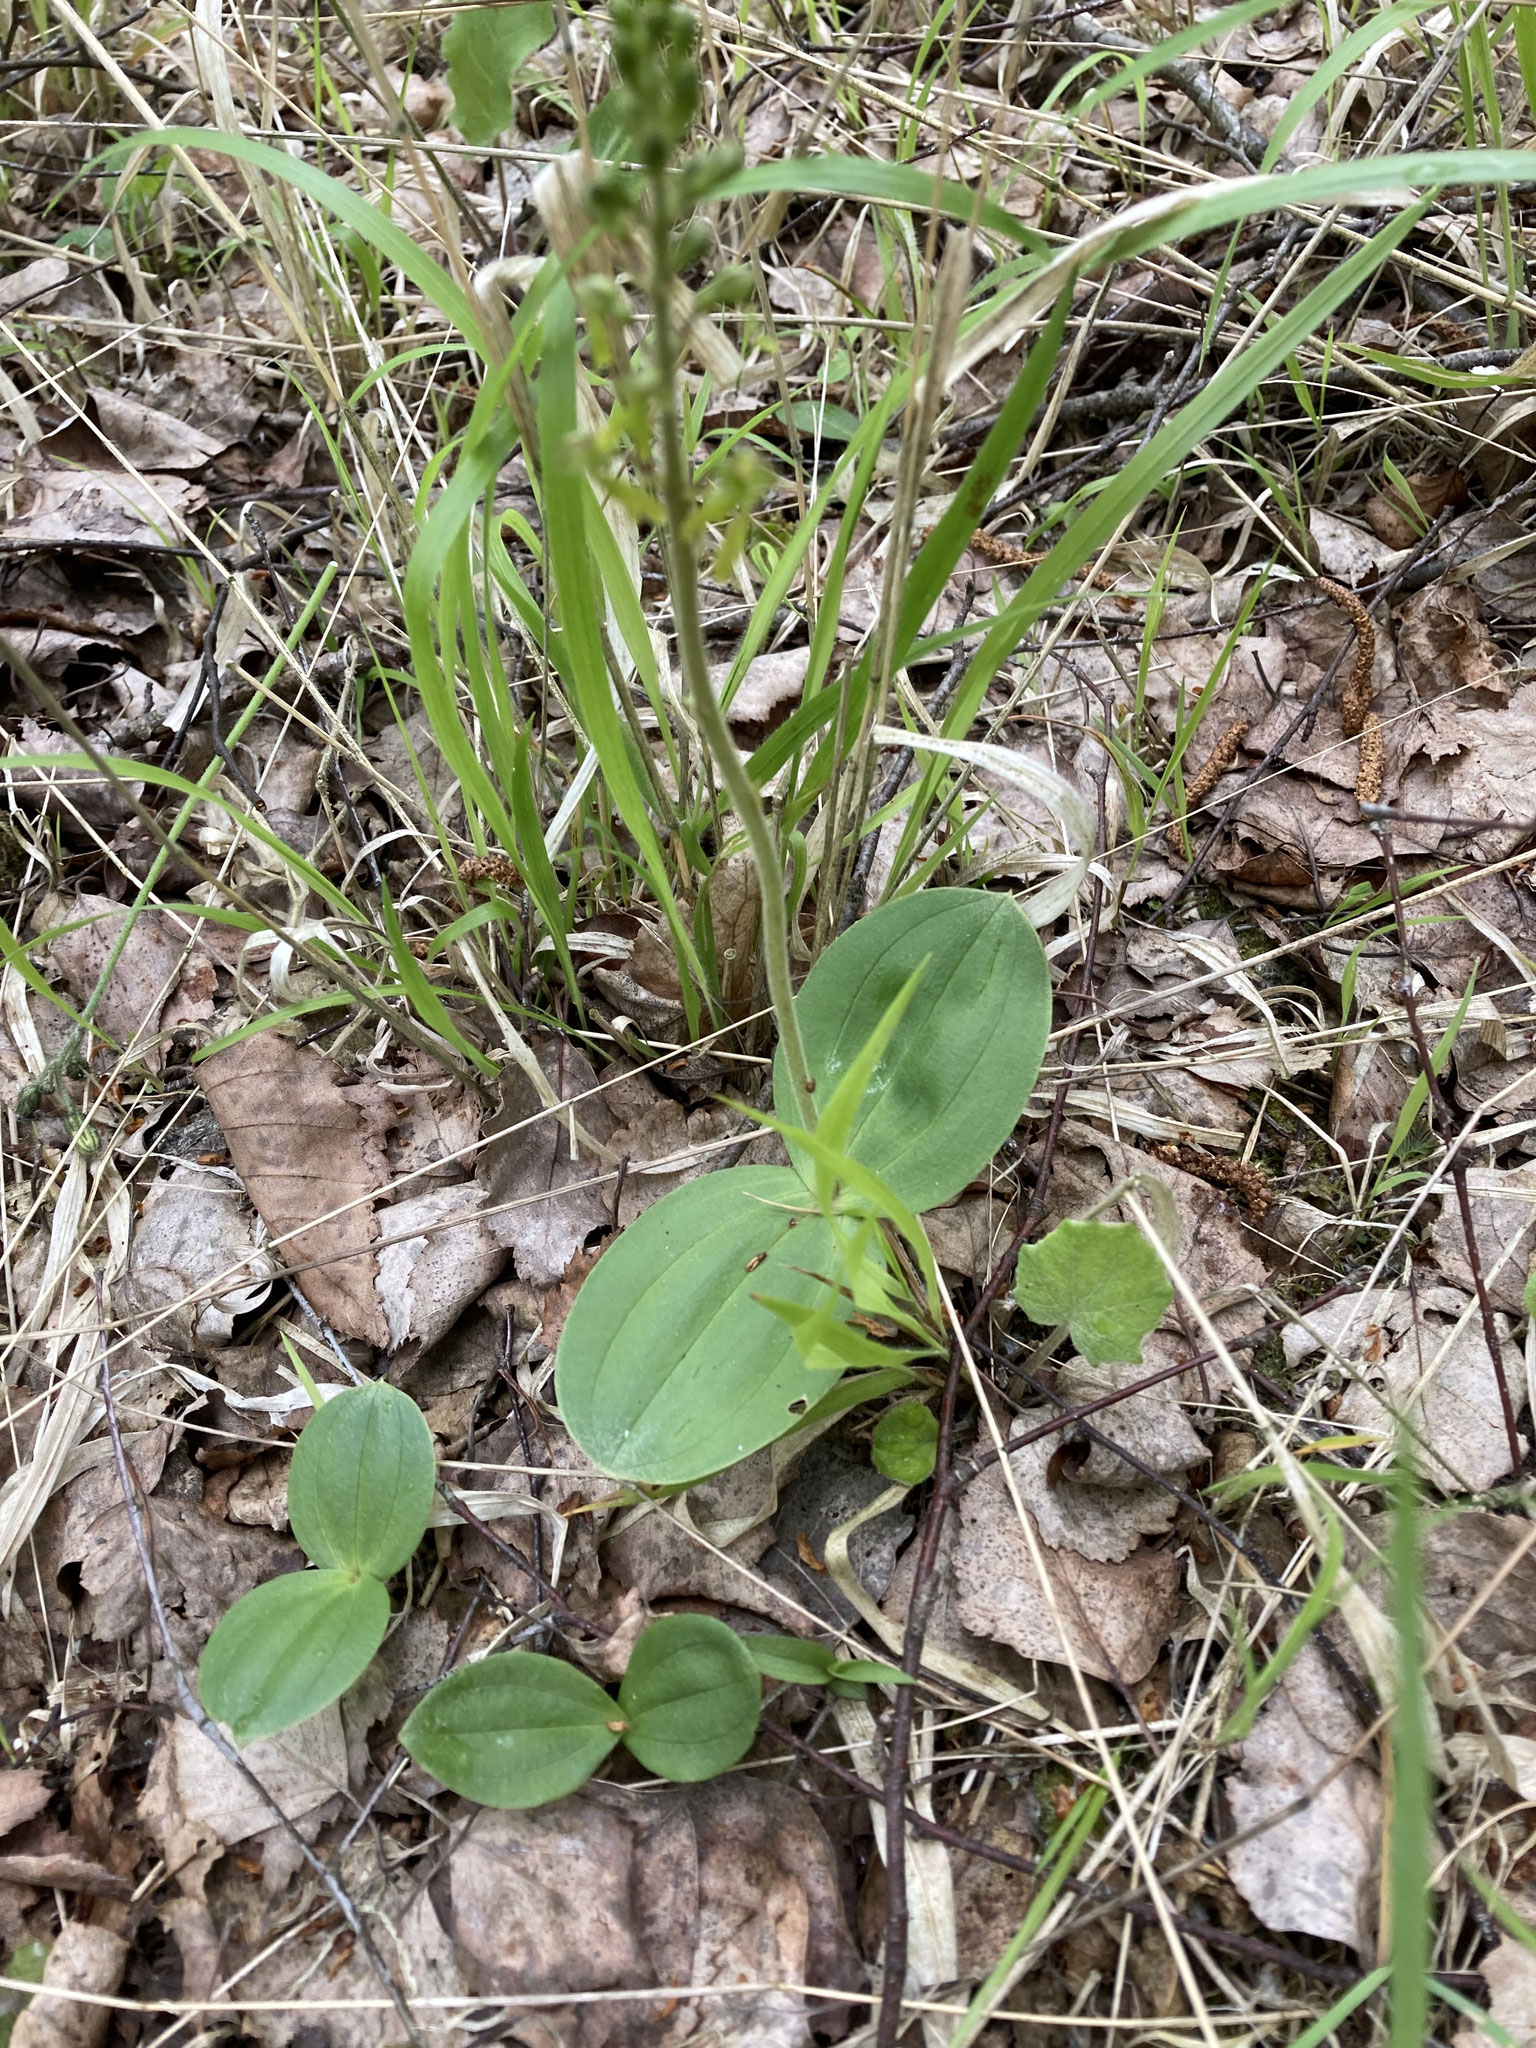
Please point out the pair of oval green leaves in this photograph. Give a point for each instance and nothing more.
(518, 1729)
(669, 1367)
(359, 1494)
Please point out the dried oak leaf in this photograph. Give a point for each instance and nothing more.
(1105, 1523)
(1503, 1205)
(196, 1228)
(1315, 1871)
(546, 1192)
(432, 1267)
(714, 1884)
(1442, 1381)
(1509, 1971)
(71, 507)
(71, 795)
(194, 1798)
(1150, 1425)
(1111, 1617)
(1462, 1557)
(414, 1946)
(1443, 646)
(311, 1156)
(142, 982)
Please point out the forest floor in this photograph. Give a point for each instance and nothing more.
(346, 885)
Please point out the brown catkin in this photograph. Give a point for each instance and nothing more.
(1251, 1182)
(1219, 760)
(489, 870)
(1355, 701)
(1010, 557)
(1373, 755)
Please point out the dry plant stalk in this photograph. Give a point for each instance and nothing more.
(1355, 703)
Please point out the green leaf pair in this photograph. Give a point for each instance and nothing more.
(518, 1729)
(672, 1363)
(359, 1494)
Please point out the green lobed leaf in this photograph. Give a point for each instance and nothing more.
(790, 1660)
(1103, 1280)
(691, 1697)
(906, 1443)
(360, 1486)
(289, 1648)
(485, 47)
(954, 1080)
(515, 1729)
(667, 1368)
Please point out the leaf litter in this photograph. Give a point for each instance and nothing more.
(240, 1167)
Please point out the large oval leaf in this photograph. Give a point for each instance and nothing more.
(515, 1729)
(289, 1648)
(360, 1486)
(956, 1075)
(691, 1697)
(667, 1368)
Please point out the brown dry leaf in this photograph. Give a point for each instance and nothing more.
(63, 793)
(323, 1961)
(84, 1959)
(195, 1228)
(144, 978)
(23, 1794)
(1315, 1872)
(1398, 527)
(549, 1192)
(45, 1855)
(659, 1560)
(140, 435)
(194, 1797)
(728, 1882)
(1105, 1523)
(1150, 1425)
(1441, 1380)
(1462, 1558)
(1443, 646)
(71, 507)
(1503, 1205)
(431, 1267)
(735, 909)
(771, 684)
(969, 1233)
(306, 1147)
(1509, 1971)
(1113, 1617)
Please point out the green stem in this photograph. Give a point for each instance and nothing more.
(683, 578)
